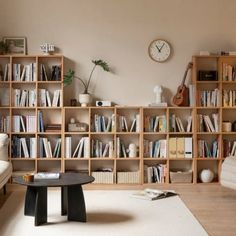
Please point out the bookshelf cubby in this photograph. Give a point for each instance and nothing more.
(98, 140)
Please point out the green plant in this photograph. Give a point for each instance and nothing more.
(70, 75)
(3, 47)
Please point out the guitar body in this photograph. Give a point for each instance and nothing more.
(182, 96)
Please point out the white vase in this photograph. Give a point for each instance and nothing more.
(206, 176)
(84, 99)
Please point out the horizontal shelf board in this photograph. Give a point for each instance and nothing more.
(134, 133)
(23, 82)
(127, 158)
(52, 108)
(50, 82)
(103, 108)
(66, 133)
(155, 133)
(180, 132)
(25, 108)
(228, 133)
(76, 108)
(208, 133)
(228, 82)
(228, 108)
(26, 133)
(4, 82)
(5, 107)
(154, 158)
(208, 82)
(111, 133)
(49, 159)
(207, 159)
(23, 159)
(76, 159)
(101, 158)
(181, 159)
(206, 108)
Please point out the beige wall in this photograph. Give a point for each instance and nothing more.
(119, 31)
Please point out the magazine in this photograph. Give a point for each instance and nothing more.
(46, 175)
(153, 194)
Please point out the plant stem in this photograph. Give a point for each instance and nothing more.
(85, 86)
(90, 76)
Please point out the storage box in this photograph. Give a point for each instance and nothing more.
(127, 177)
(181, 176)
(103, 177)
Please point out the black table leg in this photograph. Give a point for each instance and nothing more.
(76, 204)
(41, 206)
(30, 201)
(64, 200)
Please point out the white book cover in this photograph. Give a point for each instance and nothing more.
(132, 129)
(23, 98)
(22, 78)
(33, 144)
(22, 124)
(137, 123)
(50, 149)
(189, 125)
(77, 147)
(110, 150)
(156, 124)
(86, 147)
(188, 144)
(27, 73)
(49, 104)
(24, 147)
(81, 147)
(55, 98)
(32, 98)
(163, 148)
(105, 151)
(108, 127)
(46, 148)
(42, 98)
(5, 78)
(68, 147)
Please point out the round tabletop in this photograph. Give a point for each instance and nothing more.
(66, 179)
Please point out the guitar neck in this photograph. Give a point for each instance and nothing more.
(185, 74)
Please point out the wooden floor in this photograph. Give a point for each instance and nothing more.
(213, 205)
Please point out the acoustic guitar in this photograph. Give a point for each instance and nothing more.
(182, 96)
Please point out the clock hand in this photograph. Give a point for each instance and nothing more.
(161, 47)
(158, 48)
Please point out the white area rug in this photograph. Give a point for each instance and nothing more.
(108, 213)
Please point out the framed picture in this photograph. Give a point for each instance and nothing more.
(15, 45)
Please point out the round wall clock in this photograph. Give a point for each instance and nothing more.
(159, 50)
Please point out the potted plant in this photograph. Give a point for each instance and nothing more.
(85, 97)
(3, 47)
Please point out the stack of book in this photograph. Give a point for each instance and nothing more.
(155, 123)
(228, 72)
(53, 128)
(23, 123)
(5, 75)
(229, 98)
(206, 125)
(5, 124)
(176, 124)
(229, 148)
(45, 148)
(100, 149)
(45, 98)
(155, 148)
(205, 151)
(209, 98)
(155, 174)
(122, 125)
(82, 149)
(24, 98)
(24, 72)
(104, 124)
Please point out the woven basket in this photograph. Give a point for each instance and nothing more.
(181, 176)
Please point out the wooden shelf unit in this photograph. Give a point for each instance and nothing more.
(121, 165)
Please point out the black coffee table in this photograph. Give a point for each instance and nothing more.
(72, 197)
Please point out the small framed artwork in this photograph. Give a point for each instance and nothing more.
(15, 45)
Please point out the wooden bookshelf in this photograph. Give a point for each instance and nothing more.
(155, 126)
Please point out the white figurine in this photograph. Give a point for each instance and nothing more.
(158, 91)
(47, 48)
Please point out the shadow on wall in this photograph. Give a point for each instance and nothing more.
(167, 96)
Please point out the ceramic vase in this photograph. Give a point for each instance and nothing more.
(84, 99)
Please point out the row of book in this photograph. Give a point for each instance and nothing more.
(229, 148)
(204, 150)
(228, 72)
(209, 98)
(47, 100)
(176, 124)
(229, 98)
(24, 72)
(24, 98)
(4, 73)
(24, 147)
(205, 124)
(155, 123)
(104, 124)
(123, 126)
(4, 124)
(23, 123)
(155, 174)
(46, 149)
(81, 150)
(101, 149)
(53, 74)
(154, 149)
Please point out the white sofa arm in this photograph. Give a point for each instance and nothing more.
(4, 140)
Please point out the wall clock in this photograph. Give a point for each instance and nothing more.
(159, 50)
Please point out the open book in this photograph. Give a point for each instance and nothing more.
(46, 175)
(153, 194)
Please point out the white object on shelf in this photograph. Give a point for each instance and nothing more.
(204, 53)
(206, 176)
(47, 48)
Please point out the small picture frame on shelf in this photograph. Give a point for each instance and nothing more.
(15, 45)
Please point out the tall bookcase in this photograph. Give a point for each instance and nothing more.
(32, 86)
(154, 135)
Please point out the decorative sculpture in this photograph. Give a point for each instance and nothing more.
(158, 91)
(47, 48)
